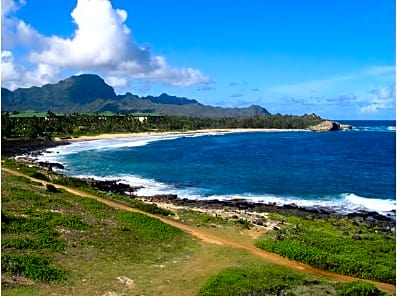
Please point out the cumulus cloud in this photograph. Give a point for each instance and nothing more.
(382, 98)
(101, 43)
(8, 68)
(15, 32)
(14, 75)
(8, 6)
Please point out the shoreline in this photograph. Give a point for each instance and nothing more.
(35, 149)
(170, 133)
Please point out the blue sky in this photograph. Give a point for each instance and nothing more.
(333, 58)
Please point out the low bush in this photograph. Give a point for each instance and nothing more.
(37, 268)
(39, 175)
(244, 223)
(358, 288)
(69, 181)
(254, 280)
(327, 245)
(52, 189)
(43, 241)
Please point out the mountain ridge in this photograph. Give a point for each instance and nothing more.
(90, 93)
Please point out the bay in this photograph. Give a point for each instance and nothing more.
(345, 171)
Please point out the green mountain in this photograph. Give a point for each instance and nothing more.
(90, 93)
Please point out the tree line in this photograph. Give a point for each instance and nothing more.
(75, 124)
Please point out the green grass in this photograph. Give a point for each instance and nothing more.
(267, 279)
(147, 228)
(49, 237)
(81, 185)
(37, 268)
(79, 246)
(358, 288)
(43, 241)
(252, 280)
(78, 184)
(330, 245)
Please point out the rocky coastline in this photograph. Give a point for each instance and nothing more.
(19, 147)
(32, 149)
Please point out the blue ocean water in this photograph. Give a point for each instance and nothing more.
(345, 171)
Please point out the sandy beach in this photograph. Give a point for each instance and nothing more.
(189, 132)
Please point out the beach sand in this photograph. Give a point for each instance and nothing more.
(169, 133)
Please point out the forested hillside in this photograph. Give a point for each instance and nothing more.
(90, 93)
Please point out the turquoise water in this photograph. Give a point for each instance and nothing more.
(345, 171)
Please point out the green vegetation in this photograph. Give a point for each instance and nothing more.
(263, 279)
(82, 185)
(259, 279)
(358, 288)
(245, 223)
(69, 242)
(76, 125)
(90, 93)
(37, 268)
(200, 218)
(45, 234)
(340, 245)
(147, 228)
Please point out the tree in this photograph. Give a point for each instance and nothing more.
(6, 125)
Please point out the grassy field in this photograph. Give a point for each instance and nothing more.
(57, 243)
(68, 242)
(341, 245)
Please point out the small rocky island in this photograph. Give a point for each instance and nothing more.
(329, 126)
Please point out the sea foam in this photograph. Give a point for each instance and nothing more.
(343, 203)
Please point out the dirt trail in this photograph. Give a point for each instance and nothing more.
(214, 239)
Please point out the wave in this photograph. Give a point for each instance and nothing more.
(343, 203)
(55, 154)
(374, 128)
(137, 141)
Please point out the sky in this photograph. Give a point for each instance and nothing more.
(333, 58)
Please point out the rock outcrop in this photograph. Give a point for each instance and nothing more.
(329, 126)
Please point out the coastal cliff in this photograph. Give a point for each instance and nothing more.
(329, 126)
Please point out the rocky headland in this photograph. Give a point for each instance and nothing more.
(329, 126)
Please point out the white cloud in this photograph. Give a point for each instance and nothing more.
(8, 6)
(102, 43)
(15, 32)
(14, 76)
(116, 81)
(382, 98)
(8, 68)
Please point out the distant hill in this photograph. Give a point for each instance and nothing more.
(90, 93)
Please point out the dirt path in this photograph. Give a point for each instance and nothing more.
(214, 239)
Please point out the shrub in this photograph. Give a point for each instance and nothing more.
(358, 288)
(39, 176)
(323, 244)
(44, 241)
(244, 223)
(257, 279)
(37, 268)
(52, 189)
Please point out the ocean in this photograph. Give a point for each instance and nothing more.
(343, 171)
